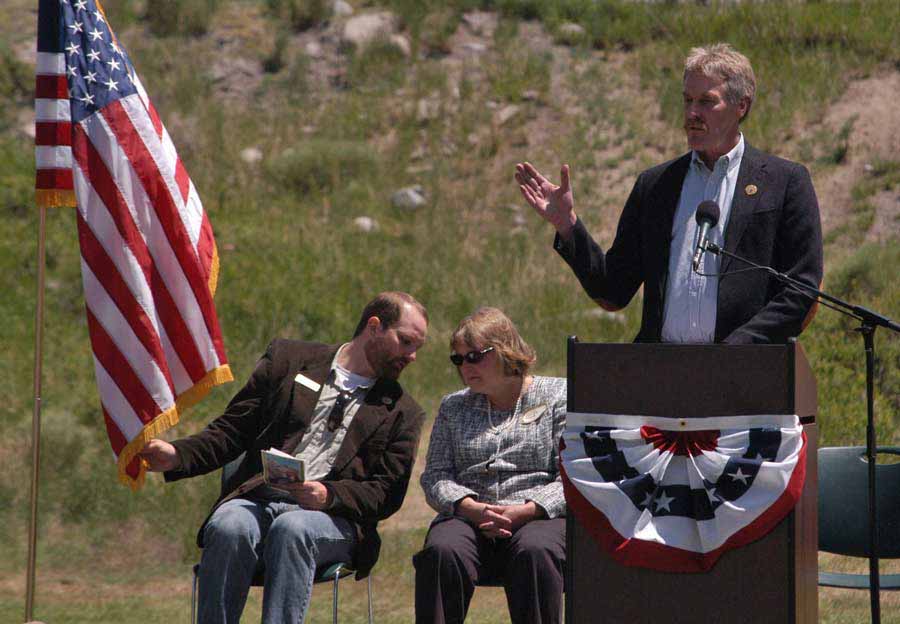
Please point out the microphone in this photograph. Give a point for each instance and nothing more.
(707, 217)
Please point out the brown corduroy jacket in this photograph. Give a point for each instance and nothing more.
(372, 469)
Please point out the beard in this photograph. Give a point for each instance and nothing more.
(379, 358)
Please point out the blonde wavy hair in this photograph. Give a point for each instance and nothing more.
(721, 60)
(490, 327)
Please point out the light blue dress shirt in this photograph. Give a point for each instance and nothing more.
(690, 308)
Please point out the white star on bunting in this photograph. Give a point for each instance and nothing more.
(740, 476)
(664, 501)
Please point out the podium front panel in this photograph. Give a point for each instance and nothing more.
(770, 580)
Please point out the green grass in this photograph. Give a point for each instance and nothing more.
(292, 264)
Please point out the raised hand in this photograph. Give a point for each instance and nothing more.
(555, 204)
(159, 455)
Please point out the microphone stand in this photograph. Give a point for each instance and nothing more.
(869, 322)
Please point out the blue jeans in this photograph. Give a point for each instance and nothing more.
(289, 540)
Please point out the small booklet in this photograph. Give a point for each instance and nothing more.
(279, 468)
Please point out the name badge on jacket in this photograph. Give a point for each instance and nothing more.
(303, 380)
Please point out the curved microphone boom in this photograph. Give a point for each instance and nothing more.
(707, 218)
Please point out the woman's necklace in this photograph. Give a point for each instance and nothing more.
(497, 428)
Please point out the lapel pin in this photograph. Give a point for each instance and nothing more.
(386, 400)
(751, 189)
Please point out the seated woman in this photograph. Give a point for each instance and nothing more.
(492, 474)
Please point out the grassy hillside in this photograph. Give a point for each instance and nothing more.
(486, 84)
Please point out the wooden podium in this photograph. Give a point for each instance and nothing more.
(772, 580)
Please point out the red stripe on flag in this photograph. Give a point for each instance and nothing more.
(94, 168)
(54, 179)
(51, 87)
(116, 439)
(53, 133)
(119, 369)
(206, 245)
(106, 273)
(182, 180)
(158, 192)
(154, 118)
(118, 442)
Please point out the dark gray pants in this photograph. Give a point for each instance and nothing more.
(457, 556)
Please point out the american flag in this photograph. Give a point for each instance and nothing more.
(148, 257)
(674, 494)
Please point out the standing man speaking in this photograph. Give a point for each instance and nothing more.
(768, 214)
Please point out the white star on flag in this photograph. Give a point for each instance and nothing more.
(90, 77)
(80, 5)
(76, 27)
(112, 85)
(72, 48)
(95, 34)
(94, 55)
(113, 65)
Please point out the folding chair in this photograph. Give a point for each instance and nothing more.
(843, 512)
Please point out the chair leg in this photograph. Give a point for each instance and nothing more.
(194, 599)
(334, 605)
(369, 592)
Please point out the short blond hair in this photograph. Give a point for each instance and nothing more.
(490, 327)
(722, 61)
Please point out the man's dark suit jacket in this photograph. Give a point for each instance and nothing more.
(774, 221)
(372, 469)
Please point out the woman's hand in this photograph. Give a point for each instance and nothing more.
(501, 521)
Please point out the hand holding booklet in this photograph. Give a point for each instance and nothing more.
(279, 468)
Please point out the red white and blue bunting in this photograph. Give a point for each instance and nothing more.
(673, 494)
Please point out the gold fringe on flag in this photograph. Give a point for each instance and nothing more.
(54, 198)
(167, 420)
(214, 270)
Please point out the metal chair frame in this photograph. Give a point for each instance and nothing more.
(333, 573)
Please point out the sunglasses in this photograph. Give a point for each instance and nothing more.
(472, 357)
(336, 415)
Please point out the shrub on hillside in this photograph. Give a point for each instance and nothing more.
(180, 17)
(322, 164)
(301, 14)
(380, 64)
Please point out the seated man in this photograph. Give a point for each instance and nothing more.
(341, 410)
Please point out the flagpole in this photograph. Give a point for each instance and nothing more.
(36, 416)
